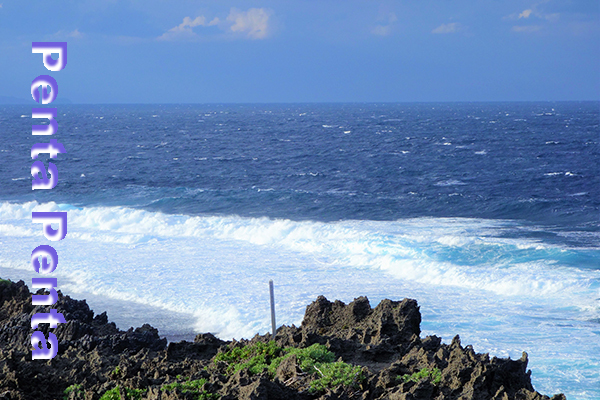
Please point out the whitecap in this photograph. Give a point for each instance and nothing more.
(450, 182)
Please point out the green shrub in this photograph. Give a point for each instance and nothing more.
(313, 359)
(335, 374)
(268, 356)
(256, 358)
(307, 357)
(130, 394)
(193, 387)
(75, 388)
(112, 394)
(435, 375)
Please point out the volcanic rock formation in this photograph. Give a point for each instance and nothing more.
(98, 361)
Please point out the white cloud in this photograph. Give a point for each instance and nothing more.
(385, 29)
(62, 34)
(526, 29)
(185, 31)
(452, 27)
(534, 11)
(75, 34)
(253, 23)
(525, 13)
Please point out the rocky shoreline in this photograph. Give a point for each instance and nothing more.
(341, 351)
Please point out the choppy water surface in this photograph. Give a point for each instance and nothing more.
(487, 214)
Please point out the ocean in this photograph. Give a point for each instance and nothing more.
(178, 215)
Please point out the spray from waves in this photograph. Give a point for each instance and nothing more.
(226, 320)
(464, 253)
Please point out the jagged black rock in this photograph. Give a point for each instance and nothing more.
(96, 357)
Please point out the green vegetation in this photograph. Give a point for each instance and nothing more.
(435, 375)
(130, 394)
(193, 387)
(314, 359)
(268, 356)
(335, 374)
(116, 372)
(112, 394)
(308, 357)
(76, 388)
(256, 358)
(4, 281)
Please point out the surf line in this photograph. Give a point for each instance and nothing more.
(44, 258)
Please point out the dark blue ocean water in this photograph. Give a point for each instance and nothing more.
(533, 162)
(486, 213)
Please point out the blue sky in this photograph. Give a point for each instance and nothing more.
(158, 51)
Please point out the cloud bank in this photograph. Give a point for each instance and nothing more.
(452, 27)
(252, 24)
(525, 13)
(532, 13)
(184, 30)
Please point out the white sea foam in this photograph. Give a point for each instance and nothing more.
(408, 249)
(450, 182)
(503, 295)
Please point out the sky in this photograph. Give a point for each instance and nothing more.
(255, 51)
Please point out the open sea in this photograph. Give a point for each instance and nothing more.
(178, 215)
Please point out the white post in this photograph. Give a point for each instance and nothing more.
(272, 308)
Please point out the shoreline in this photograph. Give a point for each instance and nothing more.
(382, 345)
(127, 313)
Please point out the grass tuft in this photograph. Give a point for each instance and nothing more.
(195, 387)
(76, 388)
(434, 375)
(130, 394)
(256, 358)
(315, 359)
(336, 374)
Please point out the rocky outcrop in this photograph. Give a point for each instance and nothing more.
(95, 358)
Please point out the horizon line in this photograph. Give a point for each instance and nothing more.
(68, 102)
